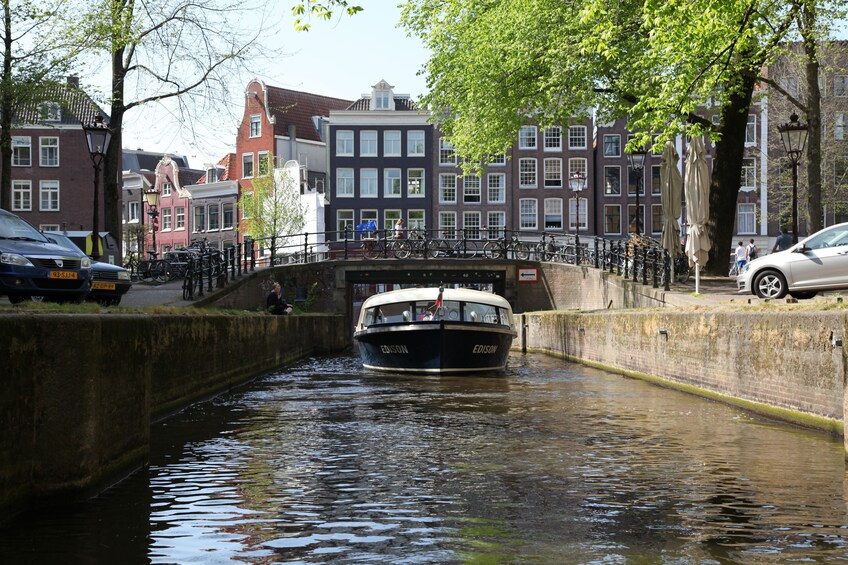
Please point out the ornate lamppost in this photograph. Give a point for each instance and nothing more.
(151, 195)
(794, 137)
(577, 182)
(636, 158)
(98, 136)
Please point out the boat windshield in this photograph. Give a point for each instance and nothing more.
(451, 310)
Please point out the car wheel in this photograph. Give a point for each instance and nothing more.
(770, 284)
(803, 294)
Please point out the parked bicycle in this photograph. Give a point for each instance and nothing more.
(456, 248)
(376, 247)
(502, 248)
(150, 269)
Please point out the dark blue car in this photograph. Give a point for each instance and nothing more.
(31, 265)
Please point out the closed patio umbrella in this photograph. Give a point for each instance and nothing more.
(697, 187)
(671, 197)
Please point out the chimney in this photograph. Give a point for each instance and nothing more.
(73, 81)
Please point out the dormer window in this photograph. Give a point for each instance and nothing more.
(212, 175)
(382, 97)
(50, 112)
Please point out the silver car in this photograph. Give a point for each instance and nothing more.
(816, 263)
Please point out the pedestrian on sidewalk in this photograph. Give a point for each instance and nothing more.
(783, 241)
(752, 250)
(741, 255)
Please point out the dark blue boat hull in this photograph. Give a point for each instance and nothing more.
(435, 347)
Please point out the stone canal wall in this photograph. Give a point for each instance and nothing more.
(78, 392)
(788, 365)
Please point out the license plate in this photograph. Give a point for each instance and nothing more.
(63, 275)
(102, 286)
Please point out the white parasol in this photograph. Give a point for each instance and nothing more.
(697, 187)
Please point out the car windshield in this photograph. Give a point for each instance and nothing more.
(64, 241)
(836, 237)
(12, 227)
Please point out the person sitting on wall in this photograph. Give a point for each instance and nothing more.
(276, 304)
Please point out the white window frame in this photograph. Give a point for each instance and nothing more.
(496, 188)
(166, 219)
(577, 137)
(368, 146)
(419, 174)
(344, 183)
(447, 186)
(21, 196)
(751, 130)
(392, 143)
(610, 207)
(552, 208)
(19, 144)
(553, 173)
(472, 192)
(345, 218)
(417, 220)
(471, 225)
(416, 143)
(369, 184)
(247, 165)
(198, 212)
(447, 225)
(179, 218)
(748, 181)
(447, 153)
(227, 209)
(840, 120)
(612, 140)
(48, 151)
(344, 143)
(392, 183)
(528, 173)
(553, 138)
(528, 214)
(528, 138)
(255, 126)
(496, 225)
(609, 188)
(746, 218)
(840, 85)
(133, 212)
(48, 189)
(166, 188)
(578, 165)
(263, 163)
(572, 212)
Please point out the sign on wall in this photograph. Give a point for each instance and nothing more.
(528, 275)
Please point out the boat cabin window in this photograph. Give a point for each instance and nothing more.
(387, 314)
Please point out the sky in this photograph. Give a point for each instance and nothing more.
(341, 58)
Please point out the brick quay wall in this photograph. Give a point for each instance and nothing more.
(784, 364)
(78, 392)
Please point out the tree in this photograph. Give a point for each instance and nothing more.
(274, 207)
(665, 66)
(186, 51)
(34, 52)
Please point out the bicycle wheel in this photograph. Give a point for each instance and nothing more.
(522, 251)
(541, 252)
(470, 247)
(434, 248)
(160, 271)
(493, 250)
(370, 249)
(401, 248)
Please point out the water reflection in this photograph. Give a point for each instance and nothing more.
(552, 463)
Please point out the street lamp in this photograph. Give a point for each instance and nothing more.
(794, 137)
(636, 158)
(151, 196)
(98, 136)
(577, 182)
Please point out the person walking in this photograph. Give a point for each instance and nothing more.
(752, 250)
(741, 255)
(275, 303)
(783, 241)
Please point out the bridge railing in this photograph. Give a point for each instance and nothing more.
(639, 258)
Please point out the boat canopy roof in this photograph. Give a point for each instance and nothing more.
(431, 294)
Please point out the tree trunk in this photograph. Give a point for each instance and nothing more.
(7, 107)
(727, 167)
(814, 150)
(112, 177)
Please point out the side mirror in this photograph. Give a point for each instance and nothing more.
(801, 249)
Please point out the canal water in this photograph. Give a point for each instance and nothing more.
(551, 463)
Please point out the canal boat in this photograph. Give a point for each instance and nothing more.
(430, 330)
